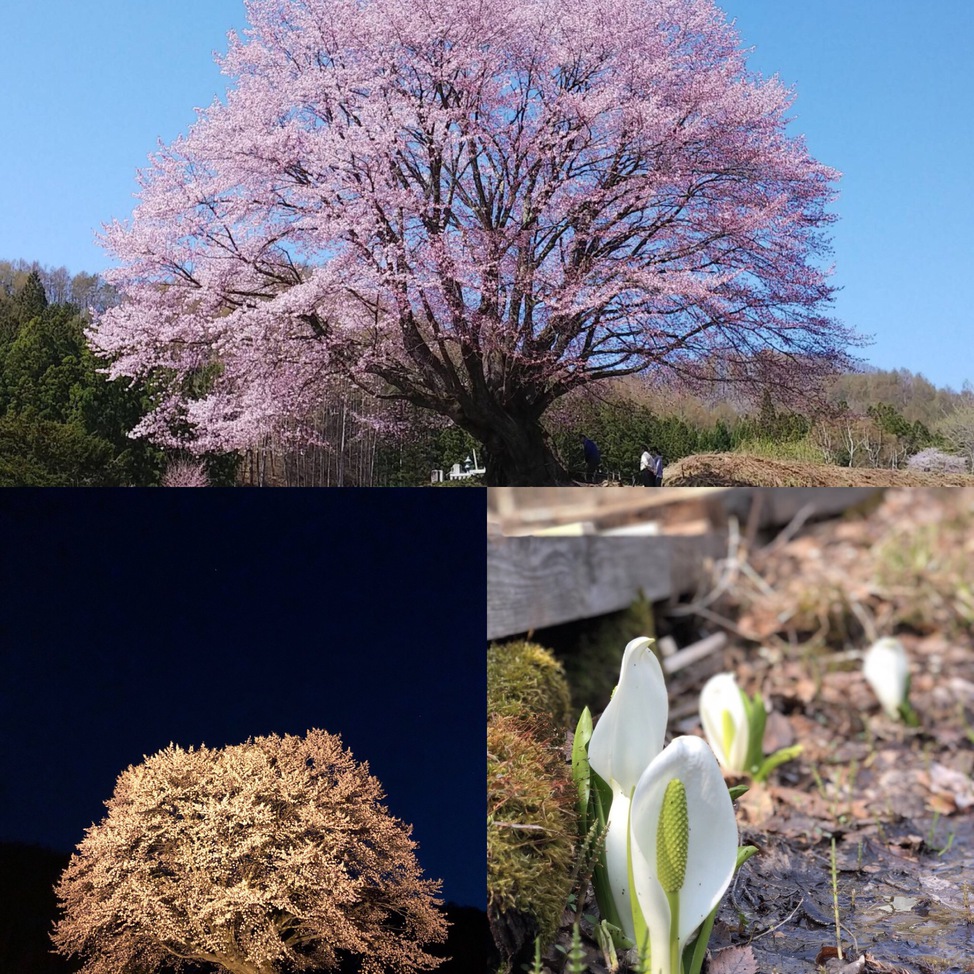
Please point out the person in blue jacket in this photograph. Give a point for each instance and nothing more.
(592, 458)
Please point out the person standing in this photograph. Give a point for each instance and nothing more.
(647, 468)
(658, 469)
(592, 458)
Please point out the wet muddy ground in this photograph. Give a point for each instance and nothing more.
(898, 802)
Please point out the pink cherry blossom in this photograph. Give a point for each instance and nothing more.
(475, 207)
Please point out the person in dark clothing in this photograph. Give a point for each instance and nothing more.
(658, 470)
(592, 459)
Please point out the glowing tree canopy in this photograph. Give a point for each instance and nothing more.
(476, 207)
(275, 855)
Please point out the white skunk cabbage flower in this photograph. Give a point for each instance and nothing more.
(683, 847)
(887, 671)
(627, 737)
(726, 722)
(733, 724)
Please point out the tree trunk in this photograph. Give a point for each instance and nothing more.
(519, 455)
(506, 421)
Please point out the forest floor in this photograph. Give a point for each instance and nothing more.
(898, 802)
(738, 469)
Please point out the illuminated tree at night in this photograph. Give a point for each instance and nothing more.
(274, 855)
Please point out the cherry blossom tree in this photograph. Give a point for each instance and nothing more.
(475, 207)
(185, 473)
(268, 856)
(957, 429)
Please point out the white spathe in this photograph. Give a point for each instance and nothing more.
(630, 731)
(887, 670)
(720, 695)
(627, 737)
(712, 848)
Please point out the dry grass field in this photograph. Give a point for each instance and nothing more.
(736, 469)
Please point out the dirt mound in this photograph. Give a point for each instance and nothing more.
(740, 469)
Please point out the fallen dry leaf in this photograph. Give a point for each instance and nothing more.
(756, 805)
(733, 960)
(942, 804)
(956, 788)
(778, 733)
(836, 966)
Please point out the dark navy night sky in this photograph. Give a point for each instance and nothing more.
(132, 618)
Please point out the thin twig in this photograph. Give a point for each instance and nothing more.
(865, 620)
(759, 582)
(724, 623)
(781, 923)
(730, 567)
(835, 905)
(522, 826)
(694, 652)
(790, 529)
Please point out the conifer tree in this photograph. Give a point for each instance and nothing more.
(31, 298)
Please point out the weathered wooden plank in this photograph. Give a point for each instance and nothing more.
(533, 582)
(532, 503)
(537, 582)
(690, 560)
(522, 510)
(781, 504)
(836, 499)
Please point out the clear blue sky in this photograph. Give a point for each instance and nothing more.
(884, 95)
